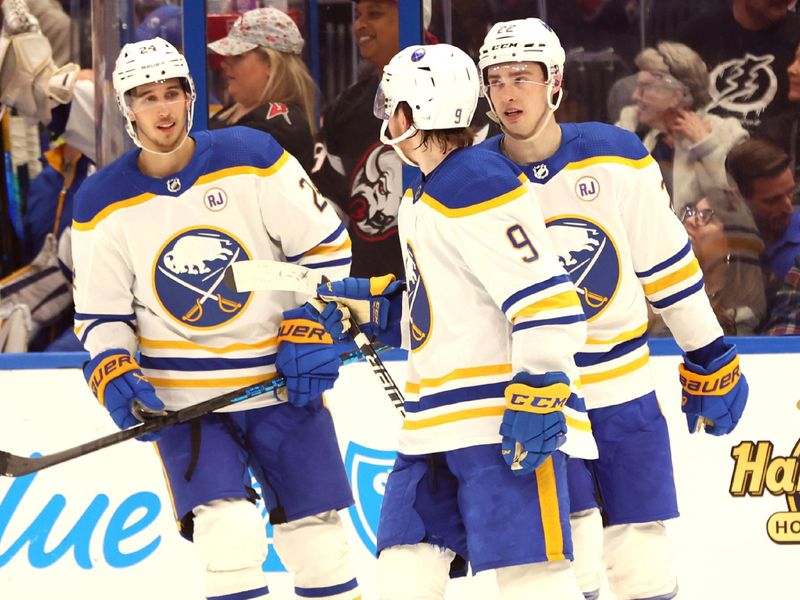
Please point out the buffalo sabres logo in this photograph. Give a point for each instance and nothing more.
(418, 302)
(188, 277)
(368, 470)
(744, 87)
(589, 256)
(376, 191)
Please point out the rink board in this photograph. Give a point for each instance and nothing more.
(102, 526)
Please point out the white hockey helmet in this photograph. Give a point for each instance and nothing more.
(524, 40)
(439, 82)
(144, 62)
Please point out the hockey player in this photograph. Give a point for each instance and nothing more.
(153, 233)
(608, 214)
(493, 322)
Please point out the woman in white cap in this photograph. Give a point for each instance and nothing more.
(268, 81)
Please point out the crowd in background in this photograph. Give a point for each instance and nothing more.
(712, 87)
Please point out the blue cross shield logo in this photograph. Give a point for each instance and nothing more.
(368, 469)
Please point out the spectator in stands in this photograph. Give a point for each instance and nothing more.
(733, 280)
(354, 168)
(689, 144)
(784, 318)
(268, 81)
(747, 47)
(761, 172)
(165, 22)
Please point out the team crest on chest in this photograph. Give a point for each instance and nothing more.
(215, 199)
(590, 258)
(188, 277)
(375, 194)
(587, 188)
(174, 185)
(418, 302)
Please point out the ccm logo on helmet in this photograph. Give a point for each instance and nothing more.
(506, 45)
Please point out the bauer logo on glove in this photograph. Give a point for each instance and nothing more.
(715, 384)
(303, 331)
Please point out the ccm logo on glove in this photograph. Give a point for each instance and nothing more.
(547, 399)
(109, 368)
(716, 384)
(303, 331)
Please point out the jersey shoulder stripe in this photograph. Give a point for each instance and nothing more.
(218, 154)
(453, 190)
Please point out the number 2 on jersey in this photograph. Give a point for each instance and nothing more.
(319, 201)
(520, 240)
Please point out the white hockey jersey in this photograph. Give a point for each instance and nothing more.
(487, 299)
(608, 214)
(150, 255)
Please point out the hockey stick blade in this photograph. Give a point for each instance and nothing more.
(253, 275)
(12, 465)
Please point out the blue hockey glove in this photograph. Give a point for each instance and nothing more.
(714, 388)
(118, 383)
(307, 357)
(533, 424)
(376, 304)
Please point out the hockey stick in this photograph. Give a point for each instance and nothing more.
(257, 275)
(17, 466)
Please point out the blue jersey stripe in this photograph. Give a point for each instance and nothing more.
(533, 289)
(104, 317)
(670, 300)
(176, 363)
(588, 359)
(325, 592)
(664, 264)
(544, 322)
(464, 394)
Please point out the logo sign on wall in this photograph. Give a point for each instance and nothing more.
(368, 470)
(756, 470)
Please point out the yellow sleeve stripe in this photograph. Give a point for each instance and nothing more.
(576, 424)
(245, 170)
(207, 178)
(673, 278)
(566, 299)
(232, 382)
(622, 337)
(475, 208)
(136, 200)
(329, 249)
(547, 489)
(465, 373)
(589, 378)
(184, 345)
(472, 413)
(636, 163)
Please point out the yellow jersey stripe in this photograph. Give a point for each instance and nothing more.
(458, 374)
(550, 512)
(207, 178)
(475, 208)
(566, 299)
(329, 249)
(636, 163)
(617, 372)
(136, 200)
(622, 337)
(472, 413)
(237, 382)
(579, 425)
(668, 281)
(184, 345)
(245, 170)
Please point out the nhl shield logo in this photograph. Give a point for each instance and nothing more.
(368, 470)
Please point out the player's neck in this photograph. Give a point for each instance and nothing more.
(528, 150)
(430, 158)
(161, 165)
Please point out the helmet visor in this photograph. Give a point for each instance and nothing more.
(382, 107)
